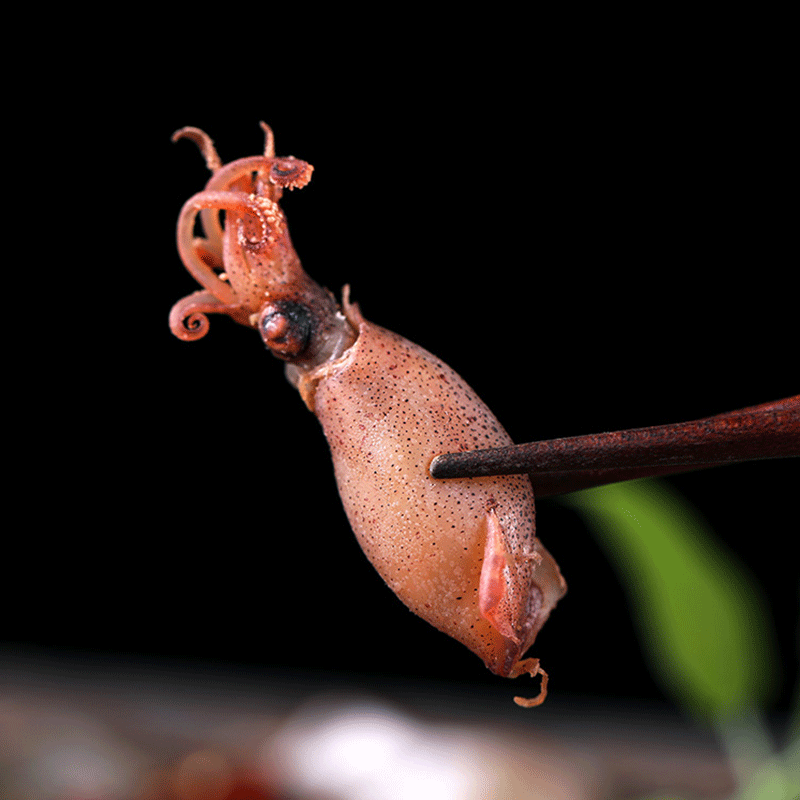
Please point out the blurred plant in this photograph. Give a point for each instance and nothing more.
(702, 622)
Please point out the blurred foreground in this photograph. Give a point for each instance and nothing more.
(73, 729)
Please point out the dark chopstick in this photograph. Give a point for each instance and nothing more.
(770, 430)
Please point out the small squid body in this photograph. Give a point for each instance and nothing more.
(463, 553)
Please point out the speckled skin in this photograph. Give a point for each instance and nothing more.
(387, 408)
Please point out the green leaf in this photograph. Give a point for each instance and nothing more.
(701, 619)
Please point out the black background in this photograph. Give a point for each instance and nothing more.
(591, 250)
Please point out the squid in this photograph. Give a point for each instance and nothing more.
(462, 553)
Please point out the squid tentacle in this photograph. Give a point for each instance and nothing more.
(282, 173)
(188, 320)
(286, 172)
(204, 142)
(266, 212)
(270, 218)
(209, 217)
(225, 178)
(531, 666)
(228, 179)
(236, 176)
(269, 140)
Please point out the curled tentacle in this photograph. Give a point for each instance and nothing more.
(531, 667)
(280, 173)
(238, 175)
(188, 320)
(266, 212)
(271, 222)
(190, 255)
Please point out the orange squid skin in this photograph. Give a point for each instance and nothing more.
(463, 553)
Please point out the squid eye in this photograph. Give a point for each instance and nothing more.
(285, 328)
(290, 173)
